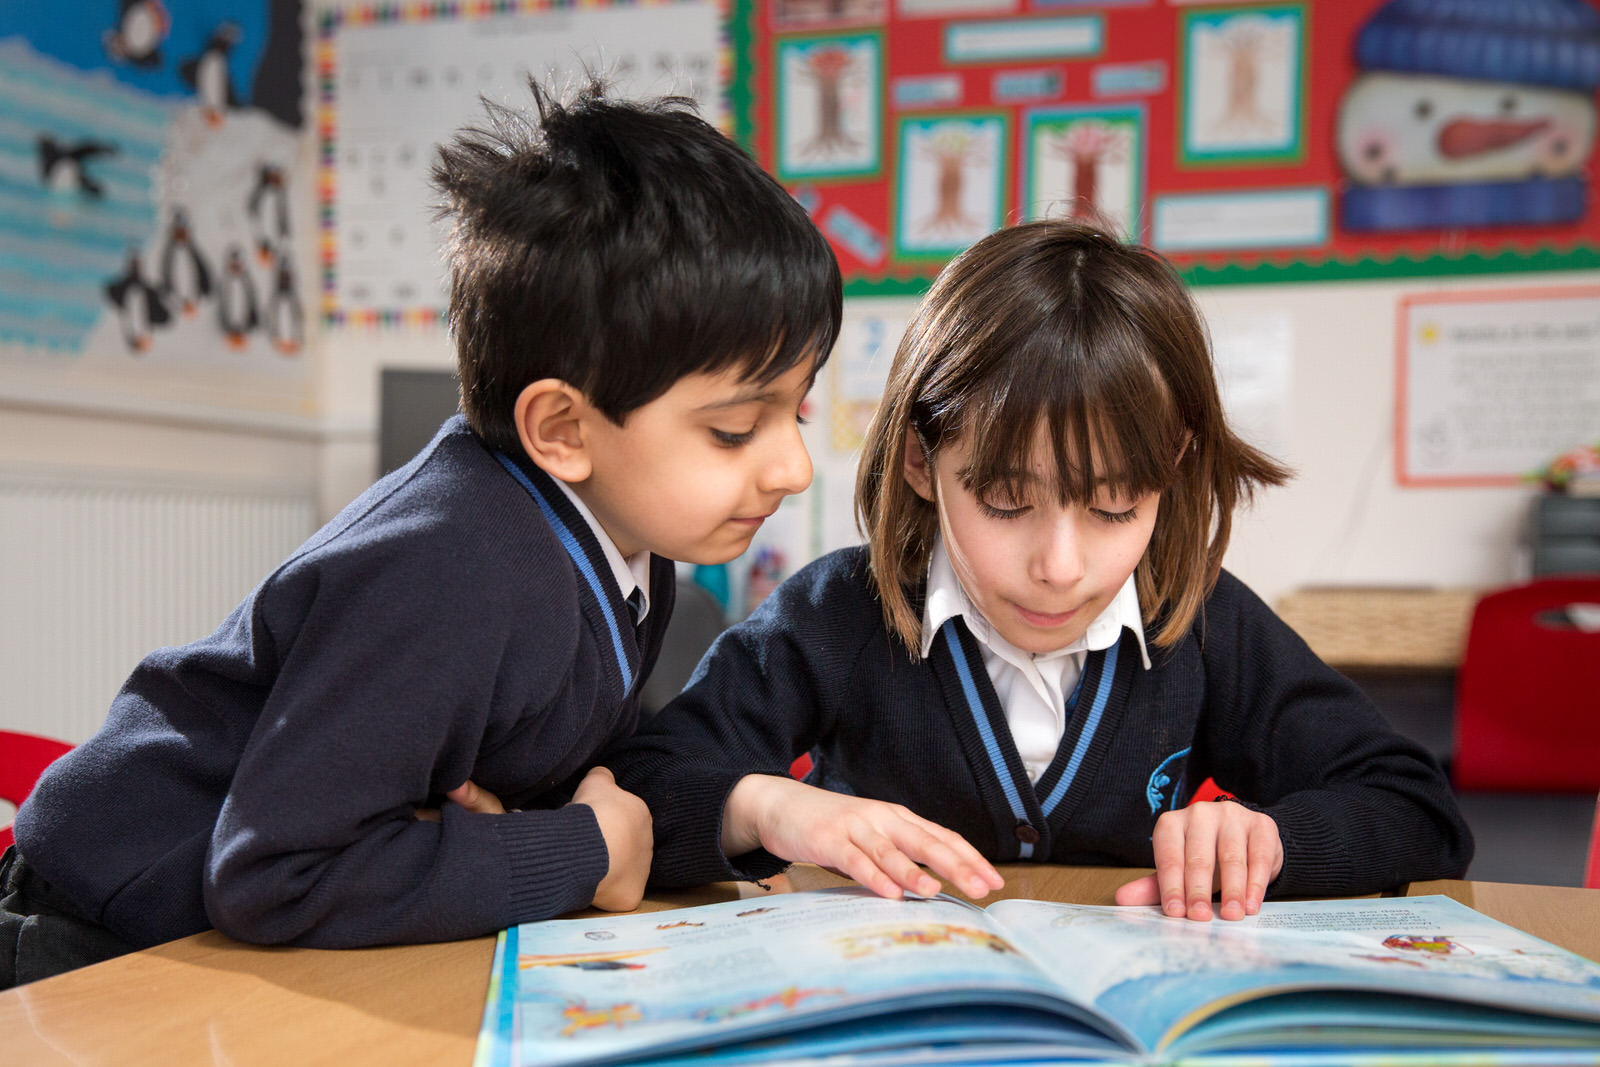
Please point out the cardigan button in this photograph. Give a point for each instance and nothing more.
(1027, 834)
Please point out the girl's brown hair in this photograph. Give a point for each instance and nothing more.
(1056, 324)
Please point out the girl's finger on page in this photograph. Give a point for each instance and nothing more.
(1199, 866)
(860, 866)
(1167, 844)
(1266, 857)
(950, 856)
(891, 858)
(1141, 892)
(1233, 867)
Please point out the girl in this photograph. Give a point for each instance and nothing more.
(1037, 656)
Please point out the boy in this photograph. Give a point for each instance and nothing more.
(638, 312)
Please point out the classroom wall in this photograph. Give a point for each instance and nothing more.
(1342, 521)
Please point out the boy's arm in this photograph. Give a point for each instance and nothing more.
(376, 707)
(1359, 807)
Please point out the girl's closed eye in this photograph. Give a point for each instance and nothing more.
(1107, 515)
(1002, 510)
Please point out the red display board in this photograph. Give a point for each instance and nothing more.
(1273, 141)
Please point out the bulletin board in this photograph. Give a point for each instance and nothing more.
(395, 80)
(1281, 140)
(1492, 384)
(149, 250)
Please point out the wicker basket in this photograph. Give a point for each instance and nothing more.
(1382, 627)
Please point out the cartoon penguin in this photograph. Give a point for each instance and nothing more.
(139, 305)
(184, 274)
(208, 74)
(268, 208)
(285, 322)
(236, 300)
(63, 168)
(142, 25)
(1470, 115)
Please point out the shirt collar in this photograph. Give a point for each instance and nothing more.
(630, 573)
(946, 599)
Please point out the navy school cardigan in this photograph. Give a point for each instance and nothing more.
(458, 620)
(1240, 699)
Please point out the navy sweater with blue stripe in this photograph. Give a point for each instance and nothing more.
(1240, 699)
(457, 621)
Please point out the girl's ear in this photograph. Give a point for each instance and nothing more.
(919, 475)
(551, 417)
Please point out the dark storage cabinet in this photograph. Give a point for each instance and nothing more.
(1566, 534)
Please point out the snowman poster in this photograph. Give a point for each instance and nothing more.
(148, 154)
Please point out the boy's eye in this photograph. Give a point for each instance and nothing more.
(733, 440)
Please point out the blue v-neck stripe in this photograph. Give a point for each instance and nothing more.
(1102, 694)
(990, 744)
(569, 541)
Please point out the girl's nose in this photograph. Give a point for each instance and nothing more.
(1058, 555)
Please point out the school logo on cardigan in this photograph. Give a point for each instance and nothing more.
(1163, 789)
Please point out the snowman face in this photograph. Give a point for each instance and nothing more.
(1405, 129)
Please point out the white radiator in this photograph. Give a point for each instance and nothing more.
(94, 576)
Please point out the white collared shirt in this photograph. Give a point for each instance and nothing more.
(1033, 688)
(630, 573)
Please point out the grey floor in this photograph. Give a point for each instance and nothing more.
(1538, 838)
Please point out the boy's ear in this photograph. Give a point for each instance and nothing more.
(551, 418)
(919, 475)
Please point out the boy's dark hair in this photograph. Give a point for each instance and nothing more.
(1056, 325)
(619, 246)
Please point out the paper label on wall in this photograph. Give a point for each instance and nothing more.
(1494, 385)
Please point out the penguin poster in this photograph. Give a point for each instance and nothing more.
(147, 170)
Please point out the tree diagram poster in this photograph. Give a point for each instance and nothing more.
(1279, 140)
(397, 79)
(147, 152)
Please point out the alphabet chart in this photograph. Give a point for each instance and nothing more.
(396, 80)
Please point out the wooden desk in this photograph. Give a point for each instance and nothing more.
(206, 999)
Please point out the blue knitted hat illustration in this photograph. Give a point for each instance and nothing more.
(1470, 113)
(1533, 42)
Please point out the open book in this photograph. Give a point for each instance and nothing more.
(843, 977)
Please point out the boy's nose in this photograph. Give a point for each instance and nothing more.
(788, 469)
(1058, 556)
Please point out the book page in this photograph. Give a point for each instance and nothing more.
(1160, 977)
(578, 990)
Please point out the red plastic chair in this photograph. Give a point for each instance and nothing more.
(1527, 711)
(23, 758)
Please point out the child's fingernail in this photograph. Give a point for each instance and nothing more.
(1174, 906)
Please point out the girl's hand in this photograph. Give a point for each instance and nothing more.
(1205, 848)
(879, 845)
(475, 798)
(470, 796)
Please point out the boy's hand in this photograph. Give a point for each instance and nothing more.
(1206, 847)
(877, 844)
(470, 796)
(625, 824)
